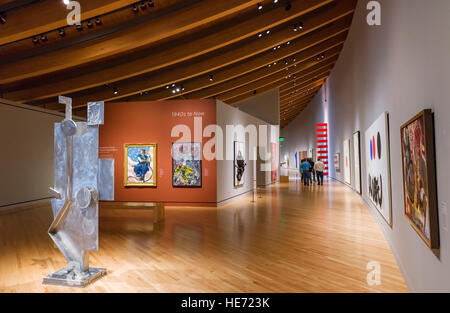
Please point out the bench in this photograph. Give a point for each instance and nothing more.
(157, 208)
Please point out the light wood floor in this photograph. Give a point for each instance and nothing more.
(295, 239)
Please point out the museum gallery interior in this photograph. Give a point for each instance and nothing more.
(176, 146)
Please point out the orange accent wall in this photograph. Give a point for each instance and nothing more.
(152, 122)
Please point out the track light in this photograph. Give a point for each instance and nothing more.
(143, 5)
(150, 4)
(43, 38)
(35, 40)
(260, 6)
(211, 78)
(62, 32)
(259, 35)
(115, 91)
(79, 27)
(66, 2)
(2, 18)
(89, 24)
(268, 32)
(275, 1)
(98, 21)
(167, 87)
(135, 9)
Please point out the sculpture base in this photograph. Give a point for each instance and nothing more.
(62, 278)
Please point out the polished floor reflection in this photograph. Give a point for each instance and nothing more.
(293, 239)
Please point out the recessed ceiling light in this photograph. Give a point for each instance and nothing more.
(259, 6)
(115, 91)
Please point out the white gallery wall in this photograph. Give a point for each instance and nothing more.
(228, 115)
(401, 67)
(26, 153)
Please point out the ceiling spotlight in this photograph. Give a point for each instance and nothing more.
(178, 89)
(275, 1)
(211, 78)
(98, 21)
(173, 85)
(167, 87)
(115, 91)
(260, 6)
(143, 5)
(62, 32)
(2, 18)
(300, 25)
(150, 4)
(43, 38)
(135, 9)
(35, 40)
(268, 32)
(173, 91)
(288, 6)
(182, 88)
(90, 24)
(288, 43)
(259, 35)
(66, 2)
(79, 27)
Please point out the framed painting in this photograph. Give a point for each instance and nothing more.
(347, 163)
(274, 174)
(419, 177)
(378, 166)
(357, 160)
(337, 162)
(239, 163)
(140, 165)
(187, 164)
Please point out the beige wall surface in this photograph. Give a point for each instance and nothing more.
(26, 153)
(265, 106)
(401, 67)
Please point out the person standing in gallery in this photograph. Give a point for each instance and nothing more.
(306, 170)
(319, 167)
(313, 171)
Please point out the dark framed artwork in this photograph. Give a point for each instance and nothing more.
(419, 177)
(357, 161)
(187, 164)
(239, 163)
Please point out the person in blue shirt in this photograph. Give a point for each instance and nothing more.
(306, 171)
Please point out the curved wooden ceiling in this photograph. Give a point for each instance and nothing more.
(168, 49)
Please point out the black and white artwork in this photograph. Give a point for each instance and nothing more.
(239, 163)
(378, 166)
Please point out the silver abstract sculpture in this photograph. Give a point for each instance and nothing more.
(81, 180)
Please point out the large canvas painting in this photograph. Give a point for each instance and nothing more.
(337, 162)
(187, 164)
(239, 163)
(140, 165)
(419, 177)
(274, 162)
(378, 166)
(357, 160)
(347, 163)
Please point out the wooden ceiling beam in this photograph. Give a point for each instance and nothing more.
(304, 61)
(123, 41)
(202, 66)
(45, 16)
(267, 88)
(300, 76)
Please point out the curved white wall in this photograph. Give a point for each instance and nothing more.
(401, 67)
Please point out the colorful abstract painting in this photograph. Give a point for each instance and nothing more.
(347, 163)
(187, 164)
(140, 165)
(419, 176)
(378, 166)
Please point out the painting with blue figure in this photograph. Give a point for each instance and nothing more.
(140, 165)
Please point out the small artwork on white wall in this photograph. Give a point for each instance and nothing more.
(378, 166)
(357, 161)
(347, 172)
